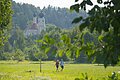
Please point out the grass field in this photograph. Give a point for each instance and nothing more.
(11, 70)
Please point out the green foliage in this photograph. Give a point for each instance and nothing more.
(76, 0)
(100, 1)
(7, 56)
(50, 41)
(89, 2)
(85, 77)
(17, 38)
(66, 39)
(18, 55)
(5, 20)
(76, 20)
(22, 14)
(75, 7)
(114, 76)
(7, 47)
(47, 50)
(103, 19)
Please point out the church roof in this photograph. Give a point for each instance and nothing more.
(34, 26)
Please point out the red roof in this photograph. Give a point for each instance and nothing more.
(34, 26)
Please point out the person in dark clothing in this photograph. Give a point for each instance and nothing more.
(57, 65)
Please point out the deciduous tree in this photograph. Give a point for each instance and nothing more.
(106, 21)
(5, 20)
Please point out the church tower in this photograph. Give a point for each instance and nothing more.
(34, 18)
(41, 22)
(37, 25)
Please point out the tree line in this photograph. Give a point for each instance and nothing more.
(61, 17)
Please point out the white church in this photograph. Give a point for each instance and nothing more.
(37, 26)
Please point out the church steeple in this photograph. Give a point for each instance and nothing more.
(41, 15)
(37, 26)
(41, 21)
(34, 18)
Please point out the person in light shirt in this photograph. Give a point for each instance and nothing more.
(62, 64)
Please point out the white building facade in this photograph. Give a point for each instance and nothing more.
(37, 26)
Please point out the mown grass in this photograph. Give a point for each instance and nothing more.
(11, 70)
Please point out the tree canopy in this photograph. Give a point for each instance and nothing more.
(105, 20)
(5, 20)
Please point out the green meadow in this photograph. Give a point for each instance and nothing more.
(12, 70)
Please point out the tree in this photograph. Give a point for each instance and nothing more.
(18, 55)
(17, 38)
(49, 41)
(7, 47)
(5, 20)
(106, 21)
(57, 42)
(23, 13)
(39, 54)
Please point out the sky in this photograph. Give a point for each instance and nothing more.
(46, 3)
(42, 3)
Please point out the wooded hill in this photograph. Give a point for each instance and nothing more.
(61, 17)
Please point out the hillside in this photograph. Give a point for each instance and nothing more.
(61, 17)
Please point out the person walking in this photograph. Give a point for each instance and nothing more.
(57, 65)
(62, 64)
